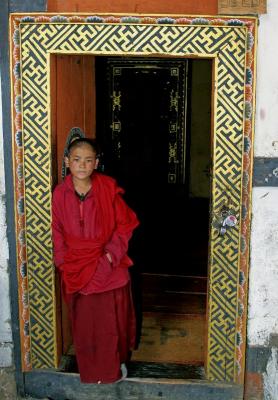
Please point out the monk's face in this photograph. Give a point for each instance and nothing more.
(82, 161)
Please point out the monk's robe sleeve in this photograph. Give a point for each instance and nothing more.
(58, 239)
(126, 222)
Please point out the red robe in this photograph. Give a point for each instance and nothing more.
(82, 233)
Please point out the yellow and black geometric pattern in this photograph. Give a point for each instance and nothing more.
(227, 44)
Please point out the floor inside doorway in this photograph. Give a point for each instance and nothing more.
(173, 319)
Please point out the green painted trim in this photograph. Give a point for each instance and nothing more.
(257, 358)
(265, 171)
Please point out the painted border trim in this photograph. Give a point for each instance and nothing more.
(251, 25)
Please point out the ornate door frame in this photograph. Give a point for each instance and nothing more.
(230, 43)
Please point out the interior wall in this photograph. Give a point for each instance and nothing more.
(200, 128)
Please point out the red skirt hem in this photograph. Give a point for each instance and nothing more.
(104, 331)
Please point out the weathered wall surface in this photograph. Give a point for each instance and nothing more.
(263, 280)
(7, 382)
(263, 300)
(266, 135)
(263, 296)
(5, 317)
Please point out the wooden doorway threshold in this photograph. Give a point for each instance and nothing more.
(65, 386)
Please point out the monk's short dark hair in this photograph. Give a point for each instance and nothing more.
(81, 142)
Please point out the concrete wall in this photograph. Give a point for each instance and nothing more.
(5, 316)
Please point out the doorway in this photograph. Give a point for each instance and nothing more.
(153, 120)
(34, 144)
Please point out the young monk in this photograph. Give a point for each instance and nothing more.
(91, 226)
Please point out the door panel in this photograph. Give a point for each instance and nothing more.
(141, 120)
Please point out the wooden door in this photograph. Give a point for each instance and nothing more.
(141, 122)
(72, 105)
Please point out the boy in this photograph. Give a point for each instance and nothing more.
(91, 227)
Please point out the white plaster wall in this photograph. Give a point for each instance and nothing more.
(263, 282)
(5, 317)
(266, 138)
(263, 278)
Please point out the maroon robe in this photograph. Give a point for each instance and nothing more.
(98, 292)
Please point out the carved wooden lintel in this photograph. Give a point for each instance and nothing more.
(242, 6)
